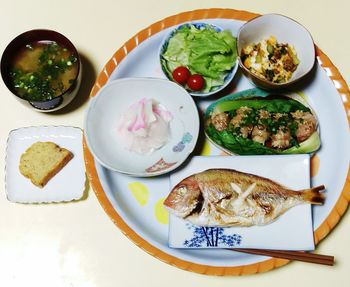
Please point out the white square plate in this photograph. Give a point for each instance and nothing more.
(291, 231)
(67, 185)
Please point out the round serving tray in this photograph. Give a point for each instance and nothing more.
(327, 164)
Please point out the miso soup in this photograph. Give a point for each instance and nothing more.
(43, 70)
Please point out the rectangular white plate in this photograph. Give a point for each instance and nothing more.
(291, 231)
(67, 185)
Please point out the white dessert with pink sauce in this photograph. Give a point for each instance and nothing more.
(144, 127)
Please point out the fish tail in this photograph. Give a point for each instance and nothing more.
(313, 195)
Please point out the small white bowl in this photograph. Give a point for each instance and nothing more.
(285, 30)
(106, 108)
(199, 25)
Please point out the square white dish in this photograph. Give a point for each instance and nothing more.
(291, 231)
(66, 185)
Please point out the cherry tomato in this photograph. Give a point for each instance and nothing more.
(195, 82)
(181, 75)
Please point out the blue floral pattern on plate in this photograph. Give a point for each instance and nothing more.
(186, 138)
(211, 237)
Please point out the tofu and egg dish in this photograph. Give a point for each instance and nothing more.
(270, 60)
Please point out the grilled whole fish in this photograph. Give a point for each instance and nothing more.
(223, 197)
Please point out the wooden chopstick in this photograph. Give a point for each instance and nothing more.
(291, 255)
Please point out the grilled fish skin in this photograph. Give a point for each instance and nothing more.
(225, 197)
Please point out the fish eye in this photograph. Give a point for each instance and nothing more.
(182, 189)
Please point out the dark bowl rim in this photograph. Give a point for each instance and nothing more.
(72, 49)
(266, 82)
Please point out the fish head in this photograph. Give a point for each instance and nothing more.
(184, 198)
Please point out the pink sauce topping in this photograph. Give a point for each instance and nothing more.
(144, 127)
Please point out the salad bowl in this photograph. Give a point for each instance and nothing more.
(174, 53)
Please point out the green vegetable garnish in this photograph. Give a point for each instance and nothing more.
(274, 106)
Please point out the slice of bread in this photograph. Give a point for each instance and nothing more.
(42, 161)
